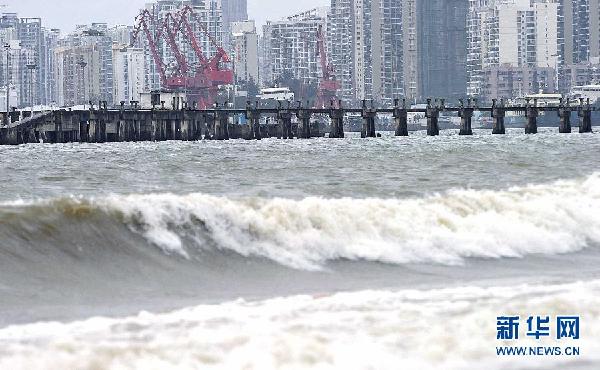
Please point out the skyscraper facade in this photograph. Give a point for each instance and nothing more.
(232, 11)
(512, 47)
(289, 48)
(366, 49)
(29, 65)
(442, 47)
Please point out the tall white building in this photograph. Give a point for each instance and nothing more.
(232, 11)
(30, 63)
(511, 34)
(366, 48)
(244, 41)
(289, 48)
(129, 66)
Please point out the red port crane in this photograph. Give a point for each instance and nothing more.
(328, 86)
(201, 82)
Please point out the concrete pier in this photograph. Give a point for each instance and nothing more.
(466, 115)
(284, 117)
(564, 113)
(337, 123)
(531, 113)
(99, 124)
(221, 130)
(585, 117)
(253, 117)
(432, 114)
(304, 127)
(368, 115)
(498, 115)
(401, 118)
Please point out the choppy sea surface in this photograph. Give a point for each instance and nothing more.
(354, 253)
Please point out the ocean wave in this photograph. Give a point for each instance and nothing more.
(556, 218)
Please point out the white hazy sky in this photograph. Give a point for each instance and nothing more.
(65, 14)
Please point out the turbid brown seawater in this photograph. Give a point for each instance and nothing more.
(352, 253)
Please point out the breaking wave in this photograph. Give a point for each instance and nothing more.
(557, 218)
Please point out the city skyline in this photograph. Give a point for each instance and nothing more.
(61, 14)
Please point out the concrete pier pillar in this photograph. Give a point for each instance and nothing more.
(154, 129)
(100, 123)
(304, 126)
(337, 122)
(92, 127)
(284, 117)
(401, 118)
(585, 117)
(432, 114)
(173, 125)
(368, 115)
(121, 127)
(162, 124)
(221, 126)
(253, 117)
(186, 126)
(58, 129)
(498, 115)
(531, 114)
(466, 115)
(564, 113)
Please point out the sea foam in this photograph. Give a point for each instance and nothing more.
(453, 328)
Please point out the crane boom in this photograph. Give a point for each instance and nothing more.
(143, 25)
(200, 82)
(328, 86)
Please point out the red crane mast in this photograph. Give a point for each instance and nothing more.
(328, 86)
(200, 83)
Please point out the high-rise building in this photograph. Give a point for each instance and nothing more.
(578, 41)
(128, 64)
(441, 47)
(30, 62)
(289, 48)
(77, 69)
(48, 83)
(244, 42)
(90, 44)
(366, 49)
(232, 11)
(579, 32)
(512, 42)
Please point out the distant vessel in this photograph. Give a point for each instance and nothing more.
(591, 92)
(517, 119)
(275, 94)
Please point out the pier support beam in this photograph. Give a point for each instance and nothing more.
(337, 122)
(466, 116)
(564, 113)
(284, 117)
(585, 117)
(221, 125)
(433, 114)
(368, 115)
(401, 118)
(304, 128)
(253, 117)
(498, 115)
(531, 113)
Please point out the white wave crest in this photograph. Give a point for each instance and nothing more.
(555, 218)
